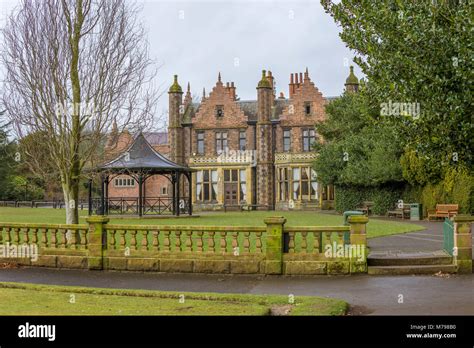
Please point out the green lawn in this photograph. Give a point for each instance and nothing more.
(29, 299)
(375, 228)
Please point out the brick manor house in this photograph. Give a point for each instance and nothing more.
(244, 152)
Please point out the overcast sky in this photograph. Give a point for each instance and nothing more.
(197, 39)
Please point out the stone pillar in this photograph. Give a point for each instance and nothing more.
(274, 241)
(463, 243)
(175, 128)
(358, 234)
(96, 241)
(264, 144)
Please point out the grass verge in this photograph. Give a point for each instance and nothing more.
(32, 299)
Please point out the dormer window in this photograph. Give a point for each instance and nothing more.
(307, 108)
(219, 110)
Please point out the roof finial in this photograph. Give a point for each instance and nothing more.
(264, 82)
(306, 74)
(352, 79)
(219, 77)
(189, 87)
(175, 87)
(204, 92)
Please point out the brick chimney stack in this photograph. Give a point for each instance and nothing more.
(232, 89)
(292, 86)
(272, 81)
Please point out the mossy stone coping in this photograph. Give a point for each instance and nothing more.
(463, 218)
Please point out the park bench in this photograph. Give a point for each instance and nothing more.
(401, 210)
(244, 207)
(43, 204)
(443, 211)
(249, 207)
(366, 207)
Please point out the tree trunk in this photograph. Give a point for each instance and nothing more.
(71, 200)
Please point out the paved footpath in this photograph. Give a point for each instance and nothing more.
(367, 294)
(425, 241)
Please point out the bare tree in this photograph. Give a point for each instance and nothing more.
(72, 69)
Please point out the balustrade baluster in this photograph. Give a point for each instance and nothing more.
(112, 239)
(123, 239)
(83, 235)
(316, 236)
(258, 242)
(166, 241)
(26, 235)
(223, 242)
(246, 242)
(44, 237)
(304, 242)
(54, 238)
(8, 236)
(145, 240)
(199, 242)
(211, 245)
(340, 238)
(72, 240)
(17, 236)
(327, 241)
(178, 240)
(291, 244)
(133, 240)
(235, 242)
(156, 241)
(63, 238)
(189, 241)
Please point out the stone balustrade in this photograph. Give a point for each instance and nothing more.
(46, 236)
(270, 249)
(187, 239)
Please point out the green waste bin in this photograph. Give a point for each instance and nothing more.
(346, 214)
(416, 212)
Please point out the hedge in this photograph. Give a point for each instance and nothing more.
(384, 197)
(457, 187)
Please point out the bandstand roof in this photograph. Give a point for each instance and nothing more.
(140, 155)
